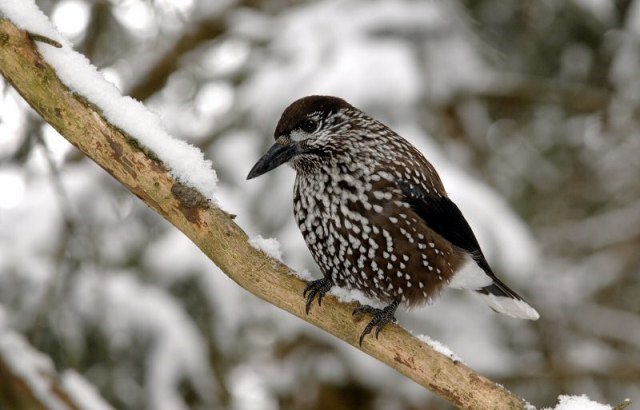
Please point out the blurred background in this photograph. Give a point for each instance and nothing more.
(529, 110)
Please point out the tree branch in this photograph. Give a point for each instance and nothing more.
(29, 381)
(215, 233)
(156, 78)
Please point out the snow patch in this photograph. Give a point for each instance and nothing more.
(185, 162)
(82, 392)
(26, 15)
(270, 246)
(35, 369)
(303, 274)
(125, 306)
(440, 348)
(578, 403)
(343, 295)
(354, 295)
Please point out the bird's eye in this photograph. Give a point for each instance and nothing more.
(308, 126)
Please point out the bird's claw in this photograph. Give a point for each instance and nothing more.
(380, 318)
(316, 288)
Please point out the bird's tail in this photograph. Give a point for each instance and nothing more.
(503, 300)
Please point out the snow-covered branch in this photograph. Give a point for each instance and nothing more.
(28, 380)
(174, 179)
(177, 197)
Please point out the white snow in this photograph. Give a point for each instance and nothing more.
(82, 392)
(123, 306)
(37, 371)
(440, 348)
(71, 17)
(303, 274)
(26, 15)
(33, 367)
(346, 40)
(12, 186)
(270, 246)
(354, 295)
(578, 403)
(186, 162)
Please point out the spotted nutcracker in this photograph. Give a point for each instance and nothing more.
(375, 214)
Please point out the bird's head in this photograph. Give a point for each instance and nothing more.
(308, 133)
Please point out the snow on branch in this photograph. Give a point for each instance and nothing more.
(29, 381)
(184, 161)
(584, 403)
(173, 178)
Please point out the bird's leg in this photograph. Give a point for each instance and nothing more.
(380, 317)
(316, 288)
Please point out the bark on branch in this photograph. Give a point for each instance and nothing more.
(215, 233)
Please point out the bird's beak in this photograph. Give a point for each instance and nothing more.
(279, 153)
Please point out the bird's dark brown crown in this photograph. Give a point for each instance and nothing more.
(300, 109)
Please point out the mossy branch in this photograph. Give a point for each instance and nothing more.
(216, 234)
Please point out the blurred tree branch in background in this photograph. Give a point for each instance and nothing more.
(156, 78)
(28, 380)
(215, 233)
(17, 393)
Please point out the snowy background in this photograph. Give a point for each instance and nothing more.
(530, 111)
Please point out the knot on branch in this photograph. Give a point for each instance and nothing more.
(191, 200)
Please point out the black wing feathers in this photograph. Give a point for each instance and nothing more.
(445, 218)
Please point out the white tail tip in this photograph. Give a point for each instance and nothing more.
(510, 306)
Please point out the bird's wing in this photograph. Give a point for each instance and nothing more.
(445, 218)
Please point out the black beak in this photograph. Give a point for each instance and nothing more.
(277, 155)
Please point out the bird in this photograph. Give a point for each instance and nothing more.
(375, 215)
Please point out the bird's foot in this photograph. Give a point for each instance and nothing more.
(380, 317)
(316, 288)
